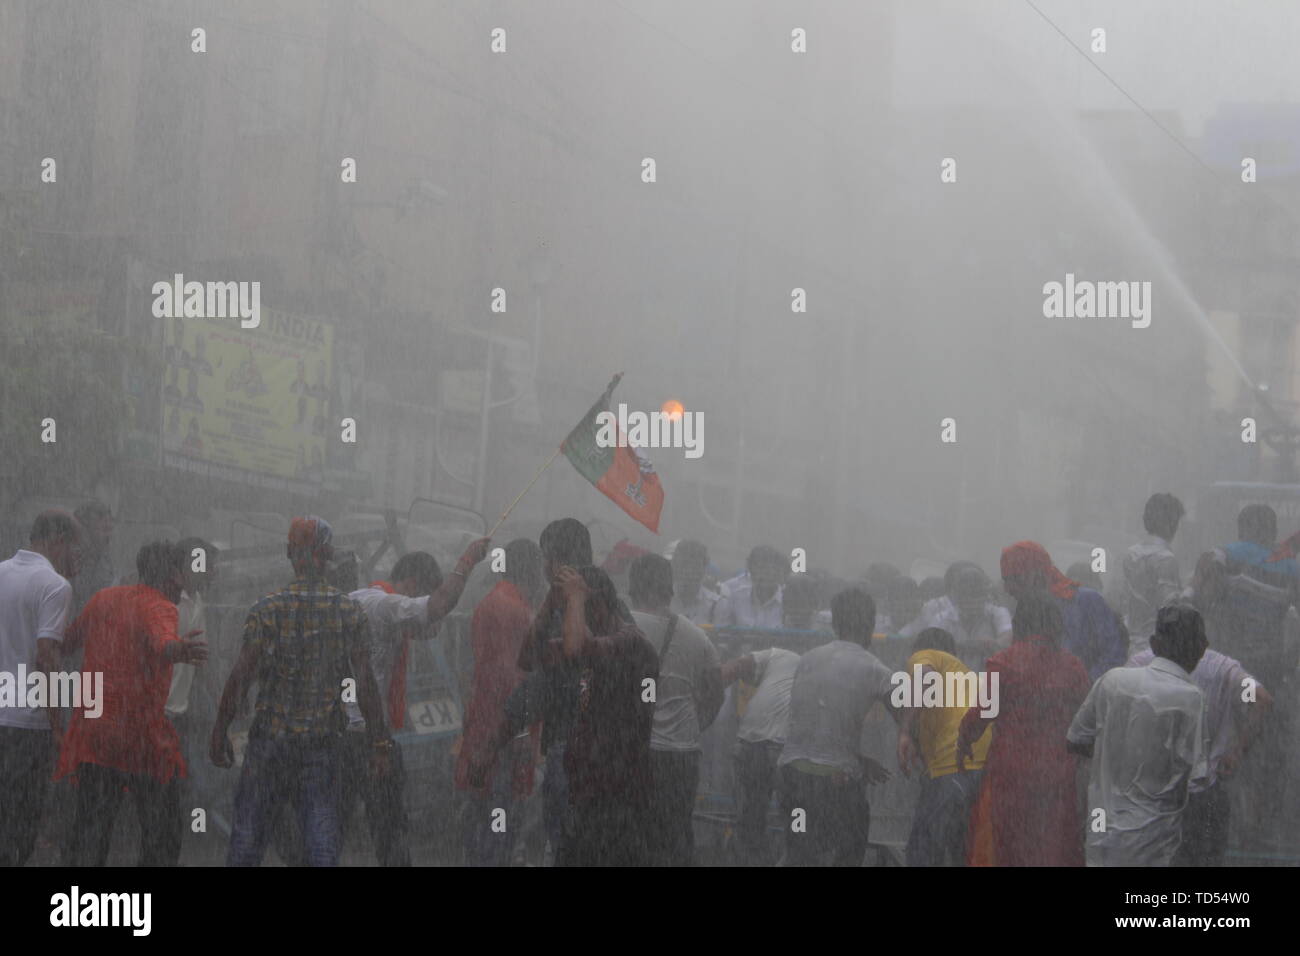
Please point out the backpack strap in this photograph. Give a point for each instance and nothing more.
(668, 639)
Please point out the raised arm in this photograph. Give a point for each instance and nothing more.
(575, 611)
(443, 601)
(531, 654)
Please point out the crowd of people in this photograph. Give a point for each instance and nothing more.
(1155, 690)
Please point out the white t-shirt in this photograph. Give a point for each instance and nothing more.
(189, 617)
(767, 715)
(385, 615)
(1147, 728)
(34, 604)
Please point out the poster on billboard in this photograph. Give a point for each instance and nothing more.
(252, 401)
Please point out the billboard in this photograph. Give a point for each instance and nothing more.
(255, 400)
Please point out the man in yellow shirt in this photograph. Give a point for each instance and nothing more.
(928, 736)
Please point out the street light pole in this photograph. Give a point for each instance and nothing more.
(539, 266)
(485, 409)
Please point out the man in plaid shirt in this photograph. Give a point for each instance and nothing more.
(303, 645)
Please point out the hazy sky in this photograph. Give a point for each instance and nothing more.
(1186, 55)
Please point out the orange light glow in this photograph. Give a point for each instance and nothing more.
(673, 409)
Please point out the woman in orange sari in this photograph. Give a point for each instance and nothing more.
(1027, 813)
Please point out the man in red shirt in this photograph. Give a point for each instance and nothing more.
(130, 637)
(496, 780)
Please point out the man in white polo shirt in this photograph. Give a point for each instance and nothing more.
(35, 598)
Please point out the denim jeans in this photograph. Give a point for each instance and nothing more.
(938, 836)
(555, 798)
(277, 770)
(483, 845)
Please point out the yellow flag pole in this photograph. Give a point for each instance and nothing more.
(609, 390)
(555, 454)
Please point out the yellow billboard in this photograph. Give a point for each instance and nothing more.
(252, 399)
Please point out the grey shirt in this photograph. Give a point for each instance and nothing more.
(834, 687)
(681, 680)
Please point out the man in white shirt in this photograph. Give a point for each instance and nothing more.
(979, 627)
(691, 598)
(688, 694)
(1151, 578)
(1144, 728)
(35, 600)
(199, 575)
(411, 606)
(759, 740)
(823, 771)
(756, 601)
(1236, 705)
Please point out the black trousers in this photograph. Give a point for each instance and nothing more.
(606, 831)
(1205, 828)
(99, 796)
(384, 799)
(26, 757)
(836, 816)
(755, 779)
(671, 834)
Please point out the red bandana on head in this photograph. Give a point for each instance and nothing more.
(1026, 558)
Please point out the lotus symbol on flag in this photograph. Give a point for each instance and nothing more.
(646, 468)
